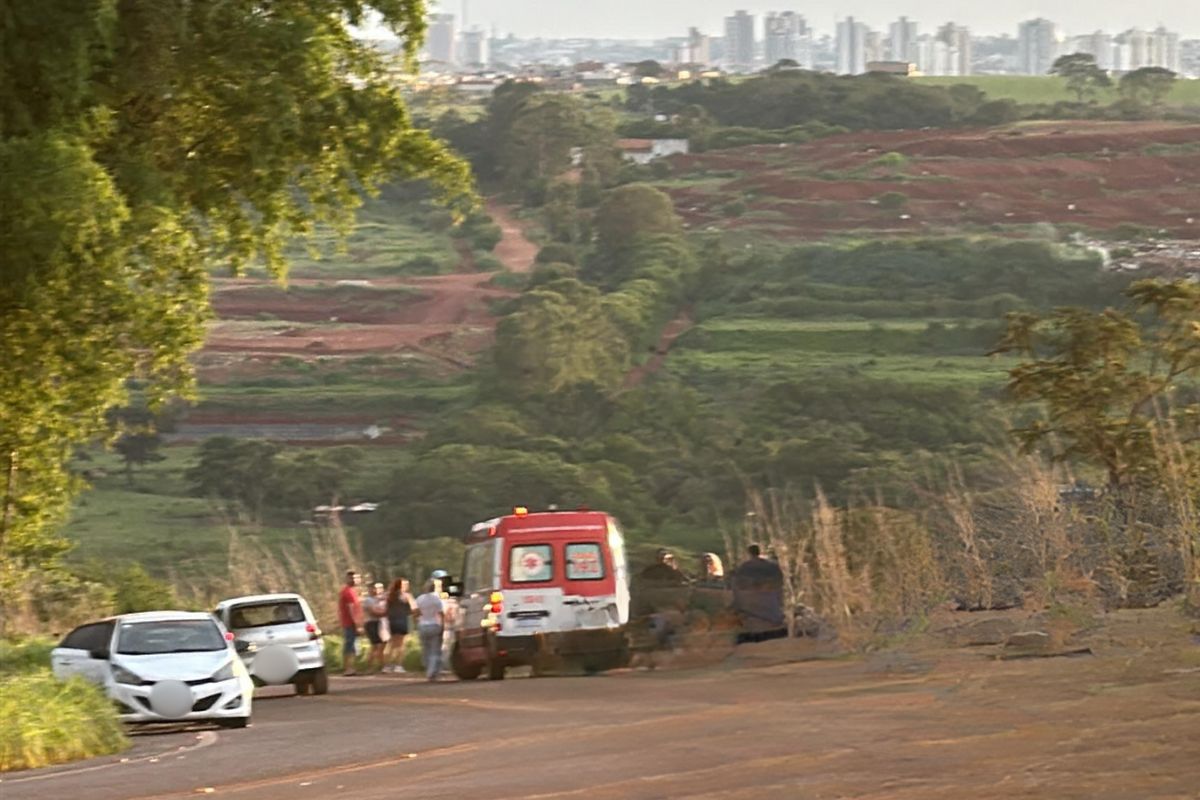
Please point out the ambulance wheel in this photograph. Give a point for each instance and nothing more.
(462, 670)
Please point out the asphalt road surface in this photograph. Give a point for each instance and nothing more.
(915, 725)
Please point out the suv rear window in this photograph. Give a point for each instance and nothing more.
(584, 562)
(283, 612)
(530, 563)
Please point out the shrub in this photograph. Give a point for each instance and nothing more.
(25, 655)
(891, 200)
(422, 265)
(135, 590)
(556, 253)
(47, 721)
(485, 237)
(488, 263)
(734, 208)
(509, 280)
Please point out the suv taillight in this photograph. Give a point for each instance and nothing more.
(497, 601)
(313, 631)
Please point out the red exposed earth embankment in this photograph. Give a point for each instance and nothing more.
(1095, 175)
(448, 317)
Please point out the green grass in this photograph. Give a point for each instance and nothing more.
(388, 239)
(1048, 89)
(382, 399)
(158, 524)
(47, 721)
(727, 351)
(30, 654)
(734, 367)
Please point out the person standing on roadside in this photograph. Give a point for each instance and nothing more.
(431, 620)
(375, 613)
(350, 618)
(758, 598)
(441, 579)
(400, 607)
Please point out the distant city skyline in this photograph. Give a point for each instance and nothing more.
(647, 19)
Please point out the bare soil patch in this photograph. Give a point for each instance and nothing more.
(1095, 175)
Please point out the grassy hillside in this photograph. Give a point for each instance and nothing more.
(1036, 89)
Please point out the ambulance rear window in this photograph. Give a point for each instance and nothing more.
(584, 562)
(530, 563)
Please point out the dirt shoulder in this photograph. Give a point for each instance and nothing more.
(929, 719)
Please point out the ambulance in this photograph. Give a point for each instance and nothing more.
(542, 588)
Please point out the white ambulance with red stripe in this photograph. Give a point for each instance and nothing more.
(540, 588)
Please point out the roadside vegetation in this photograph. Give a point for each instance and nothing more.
(848, 401)
(47, 721)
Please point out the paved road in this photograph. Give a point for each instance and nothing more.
(916, 726)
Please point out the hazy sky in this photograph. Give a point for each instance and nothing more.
(633, 19)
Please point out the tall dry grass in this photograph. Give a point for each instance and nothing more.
(313, 565)
(856, 567)
(1026, 534)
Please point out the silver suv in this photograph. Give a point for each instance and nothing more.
(283, 642)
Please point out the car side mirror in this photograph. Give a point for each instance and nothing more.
(242, 646)
(98, 655)
(454, 589)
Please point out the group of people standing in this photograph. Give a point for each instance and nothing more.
(756, 586)
(386, 618)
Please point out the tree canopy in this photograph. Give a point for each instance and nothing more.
(1147, 85)
(1083, 76)
(143, 142)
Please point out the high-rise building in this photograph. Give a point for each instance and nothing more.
(958, 43)
(1099, 45)
(739, 40)
(697, 49)
(473, 49)
(1135, 49)
(1164, 50)
(786, 35)
(1037, 46)
(902, 40)
(440, 38)
(851, 47)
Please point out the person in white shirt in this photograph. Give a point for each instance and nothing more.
(431, 620)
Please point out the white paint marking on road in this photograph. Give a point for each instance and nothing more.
(203, 739)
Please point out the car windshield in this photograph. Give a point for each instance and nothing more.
(258, 615)
(180, 636)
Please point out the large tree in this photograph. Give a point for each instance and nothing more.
(1083, 76)
(1147, 85)
(142, 143)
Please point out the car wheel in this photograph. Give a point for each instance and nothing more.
(318, 682)
(462, 670)
(235, 722)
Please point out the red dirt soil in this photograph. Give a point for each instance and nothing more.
(1097, 175)
(447, 317)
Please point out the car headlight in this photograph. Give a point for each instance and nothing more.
(122, 675)
(225, 673)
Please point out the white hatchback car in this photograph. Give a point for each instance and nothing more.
(161, 666)
(284, 642)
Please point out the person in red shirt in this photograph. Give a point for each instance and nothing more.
(350, 617)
